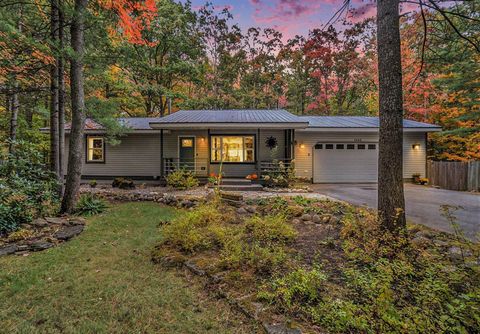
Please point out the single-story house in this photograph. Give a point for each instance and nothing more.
(325, 149)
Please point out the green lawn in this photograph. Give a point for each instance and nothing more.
(104, 282)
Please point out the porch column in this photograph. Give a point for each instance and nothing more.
(209, 154)
(257, 152)
(161, 155)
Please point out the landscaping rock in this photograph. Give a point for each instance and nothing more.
(280, 329)
(41, 245)
(55, 220)
(251, 209)
(316, 219)
(242, 211)
(69, 232)
(420, 241)
(455, 253)
(39, 222)
(296, 210)
(306, 217)
(325, 219)
(194, 268)
(76, 221)
(9, 249)
(187, 203)
(296, 221)
(22, 248)
(440, 243)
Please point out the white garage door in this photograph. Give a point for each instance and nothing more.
(345, 162)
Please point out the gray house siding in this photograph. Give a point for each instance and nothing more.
(136, 155)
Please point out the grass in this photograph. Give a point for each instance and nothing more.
(104, 282)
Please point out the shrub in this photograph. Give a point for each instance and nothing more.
(93, 183)
(90, 204)
(300, 287)
(123, 183)
(270, 228)
(280, 175)
(27, 188)
(182, 179)
(21, 234)
(195, 230)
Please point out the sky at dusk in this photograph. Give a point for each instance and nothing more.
(291, 17)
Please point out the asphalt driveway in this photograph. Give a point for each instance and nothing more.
(422, 204)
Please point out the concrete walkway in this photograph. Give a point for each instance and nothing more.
(422, 204)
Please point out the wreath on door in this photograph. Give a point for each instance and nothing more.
(271, 142)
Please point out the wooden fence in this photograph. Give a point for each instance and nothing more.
(454, 175)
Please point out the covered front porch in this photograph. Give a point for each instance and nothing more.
(235, 153)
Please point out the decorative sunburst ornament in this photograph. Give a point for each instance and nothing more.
(271, 142)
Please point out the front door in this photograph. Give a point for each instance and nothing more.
(186, 153)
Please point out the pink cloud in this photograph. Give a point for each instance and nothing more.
(285, 15)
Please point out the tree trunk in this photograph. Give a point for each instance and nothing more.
(54, 151)
(14, 106)
(75, 156)
(391, 201)
(61, 95)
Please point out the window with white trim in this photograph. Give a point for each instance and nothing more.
(232, 148)
(95, 149)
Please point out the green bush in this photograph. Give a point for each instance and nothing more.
(27, 188)
(122, 183)
(195, 230)
(299, 288)
(182, 179)
(89, 204)
(270, 228)
(280, 176)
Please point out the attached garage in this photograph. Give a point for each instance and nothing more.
(344, 149)
(343, 162)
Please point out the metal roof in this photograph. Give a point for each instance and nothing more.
(230, 116)
(356, 122)
(243, 118)
(138, 123)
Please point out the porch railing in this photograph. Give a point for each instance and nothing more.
(275, 166)
(199, 167)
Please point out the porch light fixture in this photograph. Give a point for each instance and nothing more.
(416, 146)
(302, 145)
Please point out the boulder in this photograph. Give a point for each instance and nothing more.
(316, 219)
(55, 220)
(40, 245)
(455, 253)
(39, 222)
(280, 329)
(69, 232)
(9, 249)
(296, 210)
(420, 241)
(76, 221)
(242, 211)
(306, 217)
(250, 209)
(325, 219)
(296, 221)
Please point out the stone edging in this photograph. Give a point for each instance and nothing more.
(270, 328)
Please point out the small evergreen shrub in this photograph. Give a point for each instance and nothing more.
(89, 204)
(182, 179)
